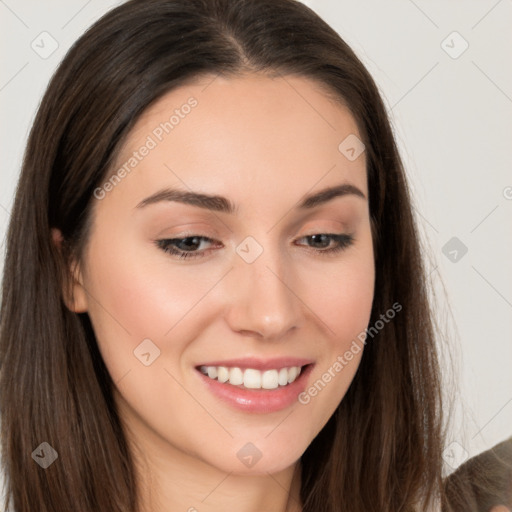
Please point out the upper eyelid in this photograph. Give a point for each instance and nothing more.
(343, 229)
(212, 239)
(214, 242)
(342, 241)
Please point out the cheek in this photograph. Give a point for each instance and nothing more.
(343, 299)
(132, 299)
(342, 295)
(347, 304)
(137, 293)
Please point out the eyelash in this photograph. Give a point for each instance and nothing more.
(343, 242)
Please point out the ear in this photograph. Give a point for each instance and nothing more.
(73, 292)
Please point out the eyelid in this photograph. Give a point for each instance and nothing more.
(342, 242)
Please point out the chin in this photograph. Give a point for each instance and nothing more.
(258, 457)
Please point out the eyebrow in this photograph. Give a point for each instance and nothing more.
(222, 204)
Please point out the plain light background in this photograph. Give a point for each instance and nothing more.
(444, 71)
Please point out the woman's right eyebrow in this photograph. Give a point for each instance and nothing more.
(222, 204)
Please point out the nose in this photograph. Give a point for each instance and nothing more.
(264, 298)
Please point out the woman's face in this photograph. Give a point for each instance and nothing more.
(259, 290)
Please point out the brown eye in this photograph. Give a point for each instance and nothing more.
(321, 242)
(186, 247)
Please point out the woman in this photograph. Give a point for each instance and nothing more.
(213, 290)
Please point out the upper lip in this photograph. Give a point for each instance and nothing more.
(260, 364)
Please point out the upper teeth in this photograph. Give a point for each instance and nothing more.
(251, 378)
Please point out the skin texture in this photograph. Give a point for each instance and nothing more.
(264, 144)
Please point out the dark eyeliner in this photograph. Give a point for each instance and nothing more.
(343, 241)
(166, 245)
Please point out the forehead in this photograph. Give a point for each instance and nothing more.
(254, 130)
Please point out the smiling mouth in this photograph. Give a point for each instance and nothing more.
(251, 378)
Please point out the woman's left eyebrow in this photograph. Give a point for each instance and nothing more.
(222, 204)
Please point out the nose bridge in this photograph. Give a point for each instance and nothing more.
(263, 300)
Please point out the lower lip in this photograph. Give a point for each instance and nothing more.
(258, 400)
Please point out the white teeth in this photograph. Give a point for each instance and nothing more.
(270, 379)
(283, 377)
(222, 374)
(251, 378)
(236, 377)
(292, 373)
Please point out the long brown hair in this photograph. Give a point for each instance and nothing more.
(381, 449)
